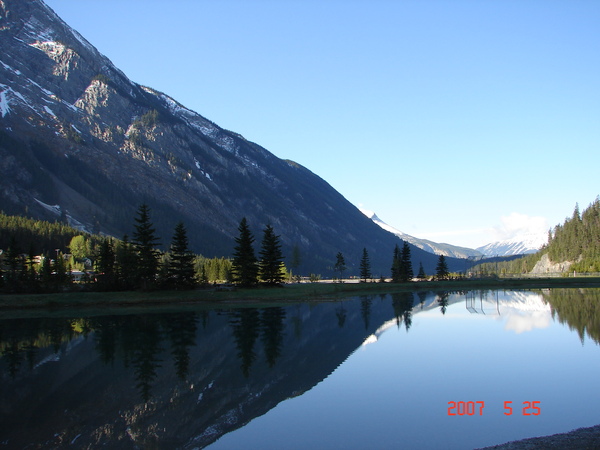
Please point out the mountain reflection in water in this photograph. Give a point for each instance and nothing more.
(183, 380)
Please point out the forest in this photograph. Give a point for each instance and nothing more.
(577, 240)
(38, 256)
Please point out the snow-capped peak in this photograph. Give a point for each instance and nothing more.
(517, 245)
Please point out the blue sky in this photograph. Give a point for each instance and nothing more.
(459, 121)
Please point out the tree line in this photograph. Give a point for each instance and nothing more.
(108, 264)
(104, 263)
(401, 269)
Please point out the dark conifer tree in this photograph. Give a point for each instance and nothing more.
(105, 265)
(406, 270)
(340, 265)
(14, 264)
(441, 269)
(421, 275)
(126, 263)
(244, 264)
(46, 272)
(296, 258)
(365, 266)
(145, 242)
(271, 258)
(396, 261)
(181, 261)
(61, 274)
(31, 275)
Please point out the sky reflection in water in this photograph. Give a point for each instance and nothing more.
(394, 391)
(370, 372)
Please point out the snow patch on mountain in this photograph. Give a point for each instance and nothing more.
(4, 105)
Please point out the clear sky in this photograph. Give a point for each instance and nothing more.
(459, 121)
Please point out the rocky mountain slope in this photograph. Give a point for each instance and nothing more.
(81, 142)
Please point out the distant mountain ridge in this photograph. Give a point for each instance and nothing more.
(82, 143)
(519, 245)
(424, 244)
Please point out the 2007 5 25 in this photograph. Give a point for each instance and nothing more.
(476, 408)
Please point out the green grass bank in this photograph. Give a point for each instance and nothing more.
(138, 302)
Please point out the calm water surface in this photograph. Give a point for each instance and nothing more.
(368, 372)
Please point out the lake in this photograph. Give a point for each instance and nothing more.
(427, 370)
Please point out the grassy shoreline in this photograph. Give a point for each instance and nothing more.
(141, 302)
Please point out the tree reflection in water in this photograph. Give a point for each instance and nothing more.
(199, 374)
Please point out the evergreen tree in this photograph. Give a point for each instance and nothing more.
(340, 265)
(365, 266)
(181, 262)
(296, 258)
(126, 263)
(406, 271)
(105, 265)
(31, 272)
(396, 261)
(243, 265)
(421, 275)
(61, 275)
(46, 273)
(145, 243)
(271, 258)
(14, 263)
(441, 269)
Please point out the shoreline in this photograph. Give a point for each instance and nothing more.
(587, 438)
(139, 301)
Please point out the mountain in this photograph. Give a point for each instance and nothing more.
(424, 244)
(82, 143)
(517, 245)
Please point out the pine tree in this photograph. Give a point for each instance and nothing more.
(340, 265)
(31, 272)
(46, 272)
(126, 263)
(442, 268)
(243, 265)
(296, 259)
(396, 261)
(365, 266)
(421, 275)
(145, 243)
(62, 277)
(406, 271)
(105, 265)
(271, 258)
(181, 262)
(14, 264)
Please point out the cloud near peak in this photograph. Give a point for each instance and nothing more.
(517, 224)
